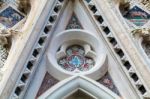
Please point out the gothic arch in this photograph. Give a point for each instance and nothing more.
(78, 82)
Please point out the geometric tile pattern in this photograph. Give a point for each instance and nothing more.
(10, 17)
(3, 55)
(74, 23)
(137, 16)
(107, 81)
(47, 83)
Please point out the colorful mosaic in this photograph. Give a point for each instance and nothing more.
(75, 60)
(137, 16)
(108, 82)
(10, 17)
(74, 23)
(47, 83)
(3, 55)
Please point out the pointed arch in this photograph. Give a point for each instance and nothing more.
(78, 82)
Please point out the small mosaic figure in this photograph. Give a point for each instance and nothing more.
(74, 23)
(10, 17)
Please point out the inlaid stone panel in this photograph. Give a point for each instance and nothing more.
(47, 83)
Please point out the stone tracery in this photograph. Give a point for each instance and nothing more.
(75, 60)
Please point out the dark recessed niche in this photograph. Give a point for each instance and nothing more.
(52, 19)
(30, 65)
(112, 41)
(35, 53)
(57, 9)
(60, 0)
(106, 30)
(93, 9)
(46, 30)
(99, 19)
(18, 91)
(24, 78)
(87, 1)
(120, 52)
(134, 77)
(59, 49)
(127, 65)
(41, 40)
(142, 89)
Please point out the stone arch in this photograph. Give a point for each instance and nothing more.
(78, 82)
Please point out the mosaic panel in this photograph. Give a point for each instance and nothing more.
(75, 60)
(47, 83)
(73, 23)
(3, 55)
(137, 16)
(107, 81)
(10, 17)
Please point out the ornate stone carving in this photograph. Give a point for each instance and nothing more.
(1, 2)
(144, 33)
(6, 36)
(146, 3)
(24, 6)
(5, 44)
(124, 7)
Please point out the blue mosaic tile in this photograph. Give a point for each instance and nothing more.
(73, 23)
(10, 17)
(137, 16)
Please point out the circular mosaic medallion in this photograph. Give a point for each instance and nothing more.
(76, 59)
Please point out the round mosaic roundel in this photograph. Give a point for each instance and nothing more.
(75, 59)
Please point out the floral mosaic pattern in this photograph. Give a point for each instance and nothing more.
(137, 16)
(108, 82)
(10, 17)
(75, 60)
(74, 23)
